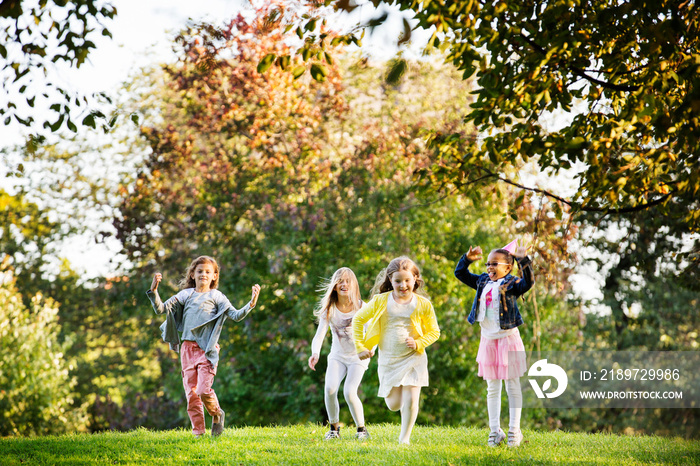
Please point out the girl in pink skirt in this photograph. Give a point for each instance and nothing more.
(501, 354)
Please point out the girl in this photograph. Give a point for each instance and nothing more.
(199, 312)
(403, 323)
(496, 309)
(341, 300)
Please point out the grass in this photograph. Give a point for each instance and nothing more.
(303, 445)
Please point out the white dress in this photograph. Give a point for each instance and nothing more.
(399, 364)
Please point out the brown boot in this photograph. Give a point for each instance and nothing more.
(217, 424)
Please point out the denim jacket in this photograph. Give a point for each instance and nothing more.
(511, 288)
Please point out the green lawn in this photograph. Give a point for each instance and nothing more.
(304, 444)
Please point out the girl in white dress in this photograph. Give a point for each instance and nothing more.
(403, 323)
(341, 300)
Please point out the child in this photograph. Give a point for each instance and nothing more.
(403, 323)
(496, 309)
(198, 311)
(341, 300)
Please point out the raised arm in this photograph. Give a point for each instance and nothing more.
(158, 305)
(240, 314)
(462, 270)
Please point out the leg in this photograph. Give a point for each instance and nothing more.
(515, 406)
(334, 376)
(195, 409)
(205, 380)
(493, 404)
(352, 385)
(410, 397)
(393, 399)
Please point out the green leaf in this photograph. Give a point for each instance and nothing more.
(319, 72)
(266, 62)
(397, 69)
(89, 121)
(298, 71)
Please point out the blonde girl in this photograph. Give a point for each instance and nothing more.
(401, 319)
(339, 304)
(198, 311)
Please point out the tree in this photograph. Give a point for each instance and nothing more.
(37, 389)
(285, 179)
(34, 36)
(629, 71)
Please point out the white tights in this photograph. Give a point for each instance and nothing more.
(493, 403)
(335, 373)
(405, 398)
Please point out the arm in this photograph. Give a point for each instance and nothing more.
(431, 331)
(317, 342)
(462, 270)
(523, 286)
(158, 305)
(358, 328)
(525, 265)
(240, 314)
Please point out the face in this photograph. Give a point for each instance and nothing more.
(204, 274)
(403, 282)
(497, 266)
(342, 288)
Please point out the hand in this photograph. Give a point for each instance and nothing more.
(364, 355)
(313, 359)
(474, 253)
(521, 249)
(371, 353)
(156, 280)
(411, 343)
(254, 298)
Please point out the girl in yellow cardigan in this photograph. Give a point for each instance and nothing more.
(402, 322)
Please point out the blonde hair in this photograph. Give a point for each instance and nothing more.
(382, 284)
(188, 280)
(330, 295)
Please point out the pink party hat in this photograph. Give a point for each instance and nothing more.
(510, 247)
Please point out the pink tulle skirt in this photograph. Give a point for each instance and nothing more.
(497, 360)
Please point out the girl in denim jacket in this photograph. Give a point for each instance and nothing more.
(495, 308)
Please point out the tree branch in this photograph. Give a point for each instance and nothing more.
(579, 72)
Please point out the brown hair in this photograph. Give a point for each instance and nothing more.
(382, 284)
(188, 279)
(330, 295)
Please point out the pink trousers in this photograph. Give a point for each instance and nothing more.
(197, 378)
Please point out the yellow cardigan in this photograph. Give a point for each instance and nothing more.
(423, 319)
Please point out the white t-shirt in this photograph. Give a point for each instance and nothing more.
(488, 312)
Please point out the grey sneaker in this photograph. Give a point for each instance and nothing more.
(217, 426)
(362, 434)
(332, 434)
(496, 438)
(514, 438)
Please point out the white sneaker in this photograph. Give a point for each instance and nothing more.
(514, 438)
(362, 435)
(496, 437)
(332, 434)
